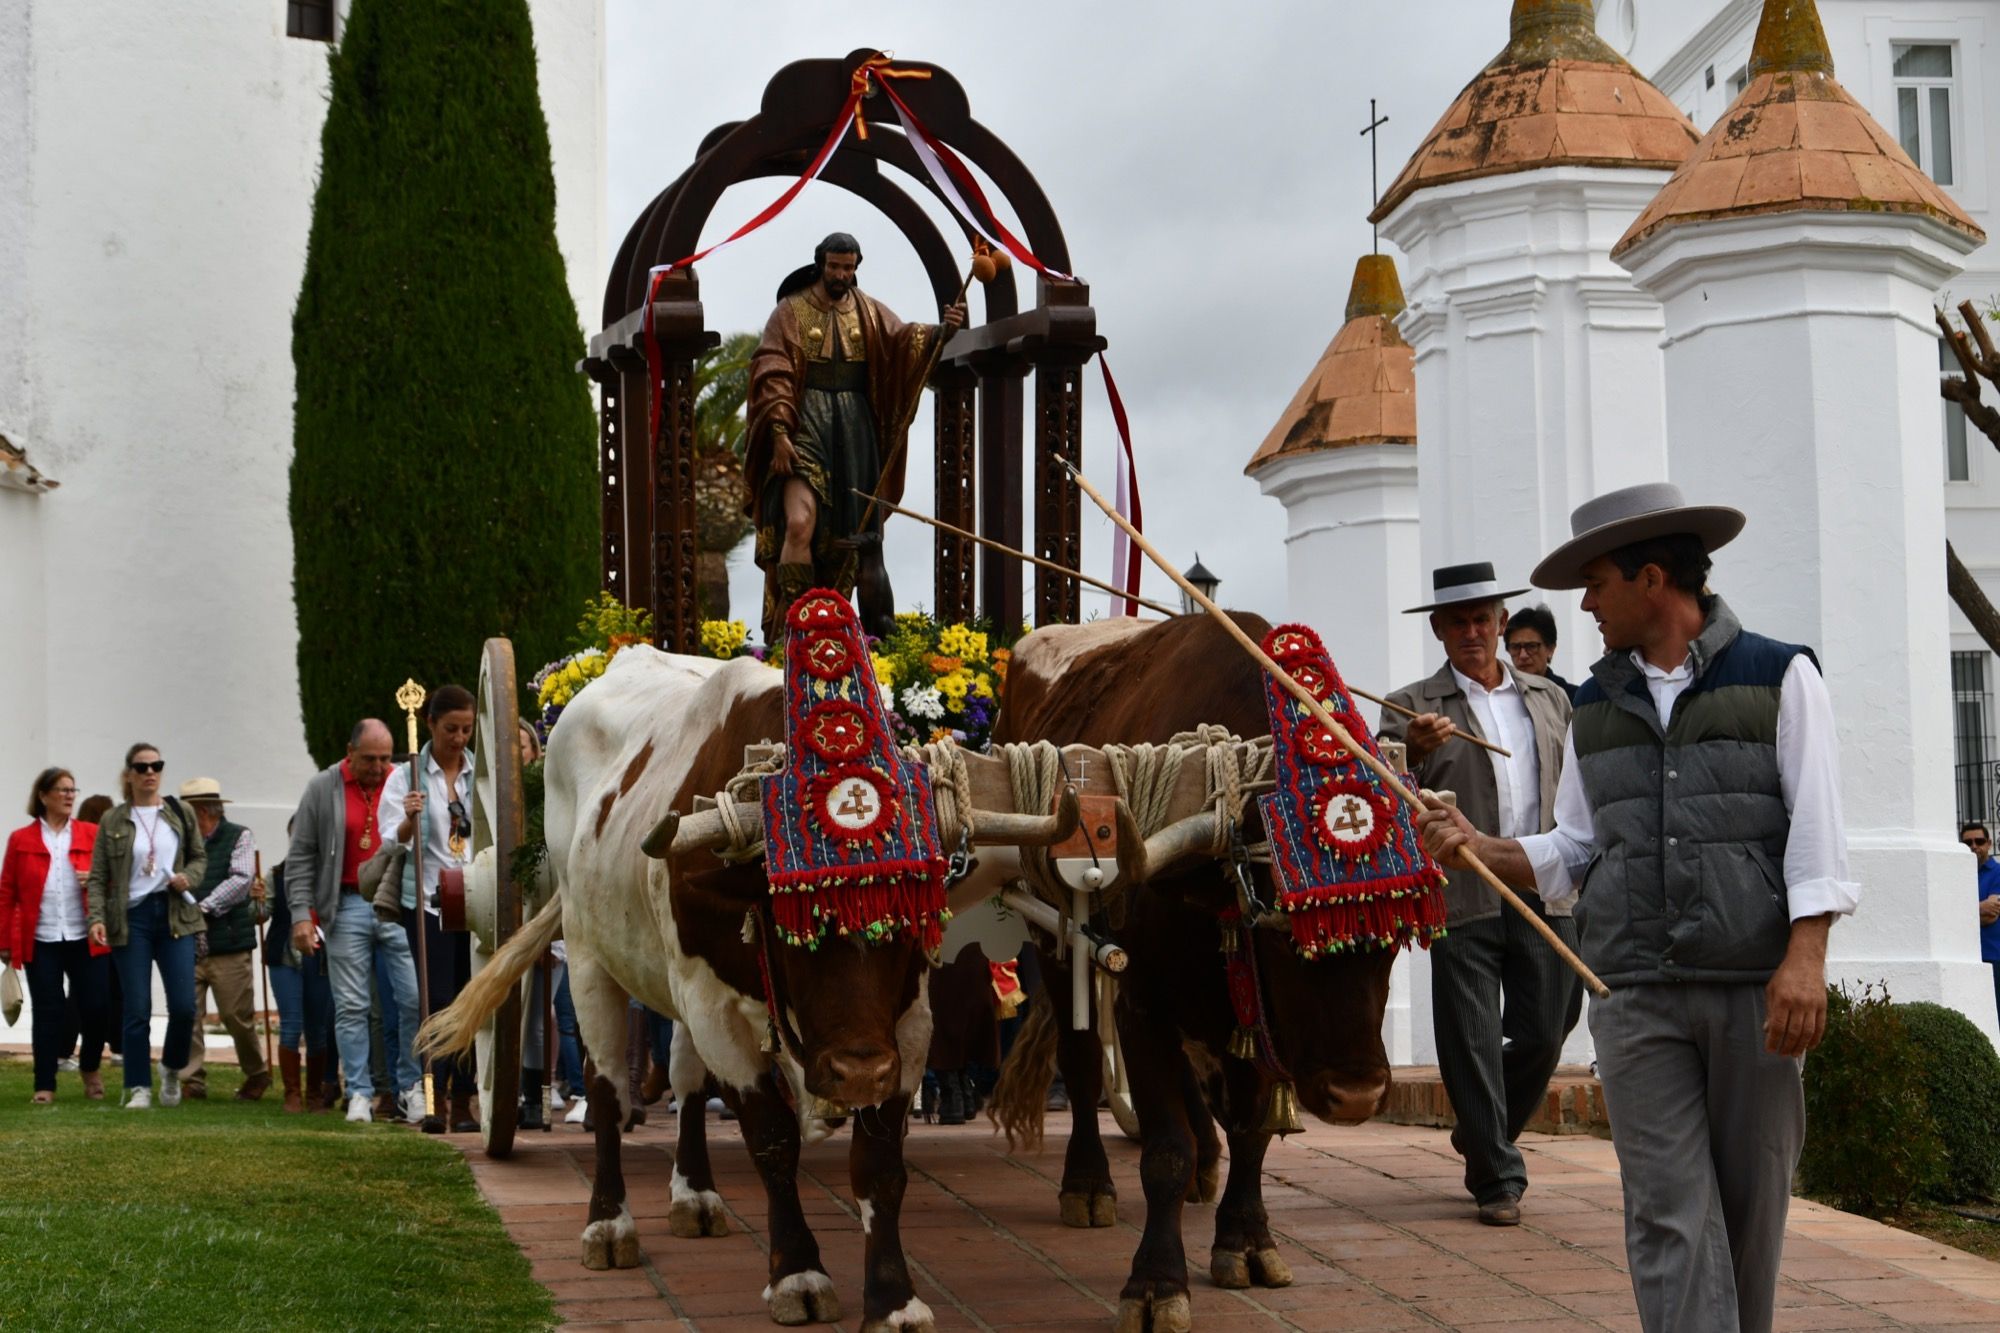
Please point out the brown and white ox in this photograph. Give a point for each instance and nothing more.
(654, 732)
(1131, 681)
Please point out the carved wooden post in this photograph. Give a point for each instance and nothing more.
(953, 410)
(1000, 433)
(1058, 513)
(678, 329)
(610, 476)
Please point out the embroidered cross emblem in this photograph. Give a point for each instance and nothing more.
(1354, 820)
(857, 806)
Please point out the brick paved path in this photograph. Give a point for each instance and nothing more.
(1372, 1220)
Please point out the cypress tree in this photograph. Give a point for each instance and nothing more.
(443, 483)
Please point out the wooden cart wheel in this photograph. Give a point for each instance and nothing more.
(1117, 1079)
(498, 819)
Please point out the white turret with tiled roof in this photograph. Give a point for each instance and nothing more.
(1343, 462)
(1797, 254)
(1538, 360)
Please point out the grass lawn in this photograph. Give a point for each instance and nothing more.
(1940, 1224)
(226, 1214)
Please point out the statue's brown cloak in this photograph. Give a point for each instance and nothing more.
(897, 354)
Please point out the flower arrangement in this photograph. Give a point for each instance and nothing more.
(607, 627)
(940, 680)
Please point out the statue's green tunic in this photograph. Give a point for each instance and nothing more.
(844, 385)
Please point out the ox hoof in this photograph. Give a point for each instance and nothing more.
(695, 1212)
(1097, 1208)
(612, 1242)
(1206, 1186)
(803, 1298)
(1236, 1269)
(1162, 1311)
(913, 1317)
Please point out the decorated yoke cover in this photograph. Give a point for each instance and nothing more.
(850, 837)
(1351, 870)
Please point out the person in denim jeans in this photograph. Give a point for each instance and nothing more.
(333, 832)
(149, 854)
(304, 996)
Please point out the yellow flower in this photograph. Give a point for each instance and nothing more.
(961, 642)
(885, 670)
(723, 638)
(954, 685)
(982, 687)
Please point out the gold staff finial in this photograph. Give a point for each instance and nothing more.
(410, 698)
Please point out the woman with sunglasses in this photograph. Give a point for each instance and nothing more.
(149, 854)
(43, 931)
(440, 807)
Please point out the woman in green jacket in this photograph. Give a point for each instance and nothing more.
(148, 856)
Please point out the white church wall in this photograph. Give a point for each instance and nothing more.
(171, 156)
(24, 660)
(1537, 366)
(1798, 354)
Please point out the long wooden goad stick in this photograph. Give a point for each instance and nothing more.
(1338, 732)
(1150, 606)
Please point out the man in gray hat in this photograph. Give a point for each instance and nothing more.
(1495, 1062)
(1699, 817)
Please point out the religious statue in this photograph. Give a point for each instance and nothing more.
(833, 386)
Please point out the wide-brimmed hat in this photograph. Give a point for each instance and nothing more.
(1635, 514)
(203, 789)
(1455, 585)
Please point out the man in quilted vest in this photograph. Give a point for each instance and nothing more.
(1699, 828)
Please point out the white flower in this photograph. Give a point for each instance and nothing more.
(888, 698)
(924, 701)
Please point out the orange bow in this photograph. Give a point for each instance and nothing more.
(876, 66)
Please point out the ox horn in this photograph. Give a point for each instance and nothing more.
(993, 828)
(1182, 840)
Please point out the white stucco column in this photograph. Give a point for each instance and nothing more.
(1538, 365)
(1801, 364)
(1351, 562)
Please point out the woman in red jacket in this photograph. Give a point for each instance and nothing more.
(44, 929)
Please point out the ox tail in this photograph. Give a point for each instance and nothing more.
(1021, 1097)
(452, 1031)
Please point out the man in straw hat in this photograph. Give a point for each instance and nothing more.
(1699, 816)
(1495, 1063)
(229, 967)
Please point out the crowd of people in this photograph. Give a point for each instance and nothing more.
(97, 898)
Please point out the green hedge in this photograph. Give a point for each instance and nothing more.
(1962, 1084)
(1902, 1102)
(443, 484)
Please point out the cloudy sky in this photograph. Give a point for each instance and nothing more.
(1205, 163)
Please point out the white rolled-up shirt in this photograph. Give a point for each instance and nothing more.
(1816, 877)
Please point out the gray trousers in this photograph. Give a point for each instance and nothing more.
(1708, 1129)
(1496, 1062)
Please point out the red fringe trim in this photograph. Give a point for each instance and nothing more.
(1380, 914)
(877, 901)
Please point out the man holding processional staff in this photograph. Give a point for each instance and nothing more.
(1698, 817)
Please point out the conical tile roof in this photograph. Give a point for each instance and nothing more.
(1363, 390)
(1794, 141)
(1557, 96)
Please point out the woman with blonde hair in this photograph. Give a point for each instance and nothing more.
(44, 929)
(148, 857)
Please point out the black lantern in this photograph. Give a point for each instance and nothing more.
(1203, 579)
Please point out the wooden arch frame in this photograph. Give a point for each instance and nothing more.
(647, 515)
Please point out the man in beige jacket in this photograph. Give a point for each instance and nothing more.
(1495, 1063)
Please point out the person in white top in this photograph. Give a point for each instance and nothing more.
(1699, 828)
(441, 808)
(43, 928)
(1495, 1058)
(148, 858)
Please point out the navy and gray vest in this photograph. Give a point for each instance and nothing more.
(1688, 881)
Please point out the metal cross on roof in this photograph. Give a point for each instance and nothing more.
(1375, 124)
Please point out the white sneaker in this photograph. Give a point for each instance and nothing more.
(358, 1110)
(577, 1109)
(138, 1099)
(412, 1103)
(556, 1102)
(67, 1065)
(170, 1087)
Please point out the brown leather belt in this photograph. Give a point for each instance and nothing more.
(837, 376)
